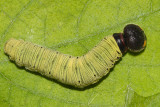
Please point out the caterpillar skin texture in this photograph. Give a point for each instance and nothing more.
(76, 71)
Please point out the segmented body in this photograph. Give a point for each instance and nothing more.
(76, 71)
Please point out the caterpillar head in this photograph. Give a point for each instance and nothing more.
(134, 38)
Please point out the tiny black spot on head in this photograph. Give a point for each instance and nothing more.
(56, 52)
(134, 37)
(41, 47)
(69, 56)
(77, 57)
(49, 72)
(79, 81)
(94, 75)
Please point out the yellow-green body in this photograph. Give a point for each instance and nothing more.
(76, 71)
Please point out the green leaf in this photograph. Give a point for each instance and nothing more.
(74, 27)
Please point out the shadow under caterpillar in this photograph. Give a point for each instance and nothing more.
(77, 71)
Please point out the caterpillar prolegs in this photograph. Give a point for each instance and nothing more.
(76, 71)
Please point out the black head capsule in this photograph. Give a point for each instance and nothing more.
(132, 38)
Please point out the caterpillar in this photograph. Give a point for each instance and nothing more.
(77, 71)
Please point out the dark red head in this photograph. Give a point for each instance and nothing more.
(132, 38)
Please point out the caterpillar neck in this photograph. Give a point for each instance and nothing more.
(121, 42)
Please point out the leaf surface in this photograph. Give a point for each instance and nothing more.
(75, 27)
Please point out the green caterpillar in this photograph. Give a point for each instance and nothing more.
(76, 71)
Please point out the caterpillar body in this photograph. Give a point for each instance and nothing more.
(76, 71)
